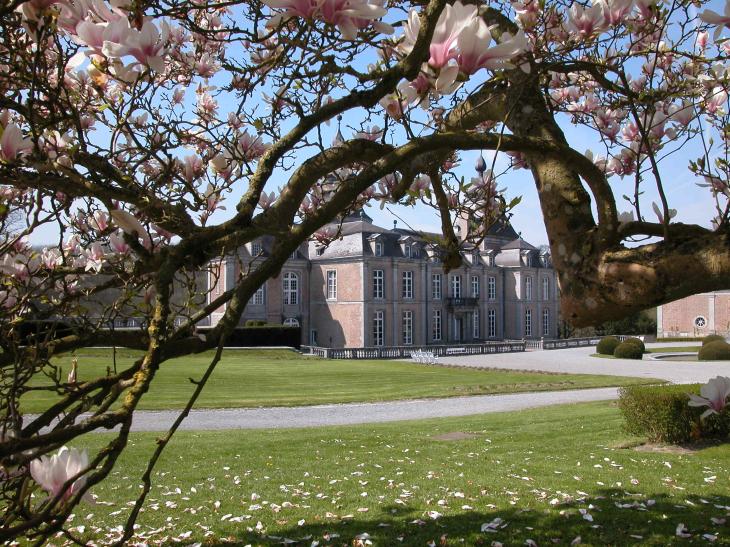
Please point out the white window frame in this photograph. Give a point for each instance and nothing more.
(407, 285)
(436, 329)
(378, 328)
(492, 288)
(291, 322)
(378, 248)
(528, 288)
(436, 286)
(331, 284)
(407, 251)
(256, 248)
(546, 288)
(259, 297)
(476, 330)
(290, 287)
(407, 324)
(378, 284)
(528, 322)
(546, 322)
(492, 323)
(475, 286)
(455, 285)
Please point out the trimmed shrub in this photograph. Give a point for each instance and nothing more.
(713, 338)
(636, 341)
(607, 345)
(628, 350)
(662, 414)
(719, 350)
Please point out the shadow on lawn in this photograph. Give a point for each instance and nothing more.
(640, 524)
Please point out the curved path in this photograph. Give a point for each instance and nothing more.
(577, 360)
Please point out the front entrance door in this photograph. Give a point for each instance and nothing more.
(458, 329)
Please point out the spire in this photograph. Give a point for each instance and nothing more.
(339, 140)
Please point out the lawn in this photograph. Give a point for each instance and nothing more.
(252, 378)
(551, 475)
(668, 349)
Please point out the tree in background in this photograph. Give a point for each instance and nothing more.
(127, 126)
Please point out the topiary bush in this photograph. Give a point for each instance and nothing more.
(719, 350)
(628, 350)
(713, 338)
(662, 414)
(607, 345)
(637, 342)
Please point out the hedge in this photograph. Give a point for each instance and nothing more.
(712, 338)
(607, 345)
(719, 350)
(679, 339)
(662, 414)
(266, 335)
(628, 350)
(637, 342)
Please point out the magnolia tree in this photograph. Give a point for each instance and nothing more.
(127, 127)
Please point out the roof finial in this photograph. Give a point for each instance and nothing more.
(395, 224)
(339, 140)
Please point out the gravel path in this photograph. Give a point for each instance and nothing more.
(576, 360)
(359, 413)
(579, 361)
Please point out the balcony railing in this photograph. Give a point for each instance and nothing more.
(470, 302)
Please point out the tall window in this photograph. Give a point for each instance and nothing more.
(378, 248)
(546, 288)
(291, 288)
(378, 284)
(436, 326)
(378, 328)
(492, 287)
(436, 286)
(255, 248)
(492, 323)
(408, 285)
(476, 327)
(407, 328)
(528, 288)
(546, 322)
(259, 297)
(331, 284)
(528, 322)
(407, 251)
(456, 286)
(475, 286)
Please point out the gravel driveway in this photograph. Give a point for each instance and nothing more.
(576, 360)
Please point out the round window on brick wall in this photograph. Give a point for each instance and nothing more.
(700, 322)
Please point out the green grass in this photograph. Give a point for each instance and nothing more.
(535, 469)
(668, 349)
(251, 378)
(674, 349)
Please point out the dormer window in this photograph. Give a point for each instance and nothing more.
(378, 248)
(407, 251)
(256, 248)
(416, 252)
(320, 251)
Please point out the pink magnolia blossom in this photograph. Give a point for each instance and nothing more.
(146, 45)
(475, 53)
(94, 258)
(12, 143)
(130, 225)
(347, 15)
(716, 185)
(714, 18)
(527, 12)
(660, 215)
(117, 243)
(716, 102)
(713, 394)
(267, 200)
(615, 11)
(52, 472)
(586, 22)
